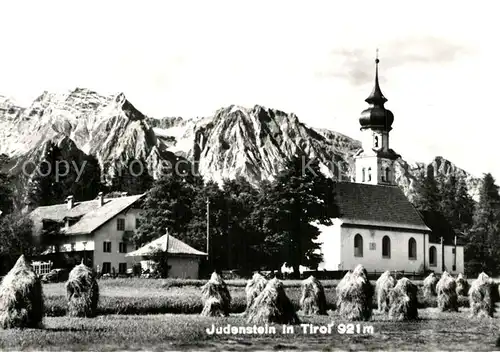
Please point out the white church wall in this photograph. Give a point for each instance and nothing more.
(448, 259)
(460, 260)
(330, 246)
(372, 258)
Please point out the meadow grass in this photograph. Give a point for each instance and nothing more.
(148, 296)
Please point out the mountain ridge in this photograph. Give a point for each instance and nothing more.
(252, 142)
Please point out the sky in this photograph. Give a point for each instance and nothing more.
(439, 63)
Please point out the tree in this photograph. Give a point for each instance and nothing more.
(242, 237)
(428, 197)
(16, 238)
(456, 204)
(197, 229)
(160, 258)
(61, 173)
(167, 205)
(299, 197)
(483, 248)
(6, 188)
(133, 178)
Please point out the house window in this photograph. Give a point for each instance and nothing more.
(137, 223)
(376, 141)
(106, 268)
(106, 247)
(358, 245)
(122, 247)
(453, 251)
(369, 174)
(386, 247)
(387, 171)
(120, 224)
(122, 268)
(432, 256)
(73, 246)
(412, 249)
(364, 175)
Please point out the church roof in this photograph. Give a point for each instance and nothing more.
(377, 205)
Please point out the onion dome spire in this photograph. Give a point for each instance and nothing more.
(376, 97)
(376, 116)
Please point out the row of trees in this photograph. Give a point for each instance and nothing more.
(15, 228)
(250, 227)
(477, 224)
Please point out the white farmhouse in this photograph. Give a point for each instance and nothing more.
(96, 231)
(378, 227)
(99, 231)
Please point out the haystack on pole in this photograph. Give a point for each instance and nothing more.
(82, 292)
(216, 297)
(313, 299)
(462, 285)
(481, 297)
(383, 287)
(253, 288)
(403, 301)
(446, 290)
(339, 288)
(355, 296)
(272, 305)
(21, 297)
(430, 283)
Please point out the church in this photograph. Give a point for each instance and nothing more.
(378, 227)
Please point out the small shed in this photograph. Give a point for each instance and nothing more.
(184, 260)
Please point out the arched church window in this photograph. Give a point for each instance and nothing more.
(376, 141)
(358, 245)
(412, 248)
(386, 247)
(369, 174)
(387, 170)
(432, 256)
(363, 174)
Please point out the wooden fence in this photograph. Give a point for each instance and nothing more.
(42, 268)
(372, 275)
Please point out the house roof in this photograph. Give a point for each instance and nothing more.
(175, 246)
(440, 228)
(92, 214)
(376, 205)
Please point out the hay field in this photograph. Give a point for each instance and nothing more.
(146, 296)
(155, 327)
(436, 331)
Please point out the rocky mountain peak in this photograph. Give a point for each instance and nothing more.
(107, 127)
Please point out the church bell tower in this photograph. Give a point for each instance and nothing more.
(375, 161)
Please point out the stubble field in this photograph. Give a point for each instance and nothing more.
(162, 314)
